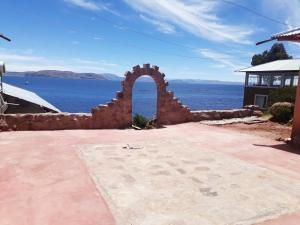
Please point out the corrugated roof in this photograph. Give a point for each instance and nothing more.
(287, 33)
(279, 65)
(27, 96)
(290, 35)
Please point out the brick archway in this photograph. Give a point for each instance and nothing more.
(169, 109)
(137, 72)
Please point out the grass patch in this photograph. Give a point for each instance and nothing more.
(140, 121)
(267, 115)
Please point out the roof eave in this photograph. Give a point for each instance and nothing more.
(268, 71)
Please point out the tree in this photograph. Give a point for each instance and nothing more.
(276, 52)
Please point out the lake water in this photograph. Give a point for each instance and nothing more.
(74, 95)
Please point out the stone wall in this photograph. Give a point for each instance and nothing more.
(117, 114)
(220, 114)
(46, 121)
(104, 119)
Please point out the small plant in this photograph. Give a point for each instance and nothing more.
(282, 111)
(140, 121)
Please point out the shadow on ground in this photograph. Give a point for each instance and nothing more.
(283, 147)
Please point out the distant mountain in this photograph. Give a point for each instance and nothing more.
(108, 76)
(66, 74)
(198, 81)
(192, 81)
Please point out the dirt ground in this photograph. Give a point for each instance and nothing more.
(266, 129)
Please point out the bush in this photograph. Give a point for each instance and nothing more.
(282, 111)
(285, 94)
(140, 121)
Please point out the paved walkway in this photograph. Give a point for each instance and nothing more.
(183, 174)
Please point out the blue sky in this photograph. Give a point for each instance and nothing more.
(199, 39)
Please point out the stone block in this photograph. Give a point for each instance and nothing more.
(127, 74)
(136, 68)
(258, 113)
(156, 68)
(120, 94)
(146, 66)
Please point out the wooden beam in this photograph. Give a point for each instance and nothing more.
(265, 41)
(4, 37)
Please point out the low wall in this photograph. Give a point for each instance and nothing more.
(102, 117)
(45, 121)
(220, 114)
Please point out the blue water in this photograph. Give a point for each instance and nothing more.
(74, 95)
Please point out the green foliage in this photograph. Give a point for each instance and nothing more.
(285, 94)
(140, 121)
(275, 53)
(282, 111)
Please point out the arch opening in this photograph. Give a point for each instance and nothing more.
(144, 100)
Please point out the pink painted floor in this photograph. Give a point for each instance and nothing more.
(43, 181)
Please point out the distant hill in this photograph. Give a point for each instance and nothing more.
(198, 81)
(66, 74)
(191, 81)
(108, 76)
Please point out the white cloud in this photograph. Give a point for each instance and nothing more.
(97, 38)
(85, 4)
(17, 57)
(290, 15)
(94, 62)
(196, 17)
(92, 6)
(219, 66)
(161, 26)
(223, 59)
(28, 51)
(24, 62)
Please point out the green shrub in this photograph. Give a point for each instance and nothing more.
(282, 111)
(285, 94)
(140, 121)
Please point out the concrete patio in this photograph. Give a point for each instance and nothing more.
(183, 174)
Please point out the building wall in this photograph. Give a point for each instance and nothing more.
(250, 92)
(259, 89)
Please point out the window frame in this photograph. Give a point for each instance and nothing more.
(295, 84)
(286, 77)
(254, 84)
(272, 82)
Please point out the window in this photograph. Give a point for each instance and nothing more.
(253, 80)
(277, 81)
(261, 101)
(265, 80)
(295, 81)
(287, 81)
